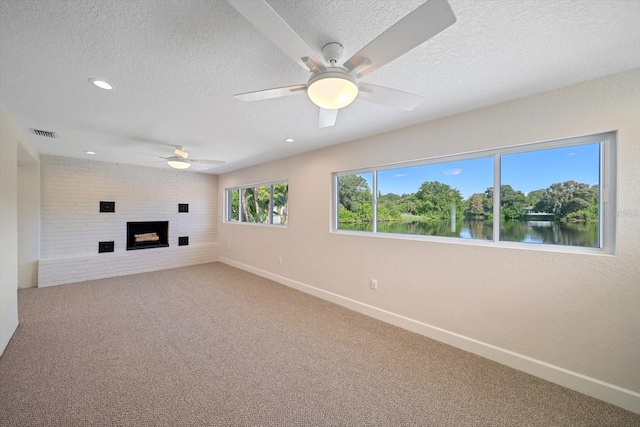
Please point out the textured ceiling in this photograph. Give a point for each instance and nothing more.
(175, 66)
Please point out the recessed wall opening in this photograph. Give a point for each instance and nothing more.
(147, 235)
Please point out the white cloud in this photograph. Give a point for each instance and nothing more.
(399, 175)
(452, 171)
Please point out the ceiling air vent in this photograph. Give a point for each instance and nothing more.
(45, 133)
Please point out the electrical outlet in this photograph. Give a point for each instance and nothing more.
(279, 260)
(229, 246)
(374, 284)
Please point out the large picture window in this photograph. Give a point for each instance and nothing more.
(258, 204)
(433, 199)
(551, 196)
(555, 194)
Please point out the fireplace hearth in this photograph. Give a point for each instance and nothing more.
(147, 235)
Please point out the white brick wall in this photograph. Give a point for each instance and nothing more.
(72, 225)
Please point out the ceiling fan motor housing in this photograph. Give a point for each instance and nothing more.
(180, 153)
(332, 52)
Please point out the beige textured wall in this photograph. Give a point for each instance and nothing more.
(10, 139)
(28, 218)
(8, 229)
(577, 312)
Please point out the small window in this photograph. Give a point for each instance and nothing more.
(258, 204)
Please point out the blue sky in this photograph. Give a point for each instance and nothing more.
(523, 171)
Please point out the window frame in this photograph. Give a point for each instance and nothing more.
(608, 194)
(227, 203)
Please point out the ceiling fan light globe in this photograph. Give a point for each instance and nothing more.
(332, 90)
(178, 163)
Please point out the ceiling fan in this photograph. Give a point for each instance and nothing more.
(180, 159)
(331, 86)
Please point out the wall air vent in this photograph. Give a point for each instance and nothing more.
(45, 133)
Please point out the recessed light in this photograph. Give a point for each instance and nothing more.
(289, 140)
(101, 84)
(90, 152)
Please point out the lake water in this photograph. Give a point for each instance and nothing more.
(548, 232)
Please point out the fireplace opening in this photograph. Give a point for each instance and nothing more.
(146, 235)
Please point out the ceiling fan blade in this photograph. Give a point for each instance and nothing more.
(414, 29)
(208, 162)
(146, 154)
(265, 19)
(272, 93)
(390, 97)
(327, 118)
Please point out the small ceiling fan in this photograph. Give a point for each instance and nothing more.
(332, 87)
(180, 159)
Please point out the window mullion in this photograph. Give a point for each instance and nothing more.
(271, 204)
(374, 226)
(608, 211)
(496, 198)
(337, 195)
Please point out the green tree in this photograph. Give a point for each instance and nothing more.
(235, 205)
(512, 202)
(477, 203)
(564, 198)
(389, 197)
(388, 210)
(255, 204)
(587, 214)
(409, 204)
(355, 197)
(488, 200)
(244, 192)
(536, 199)
(281, 202)
(438, 200)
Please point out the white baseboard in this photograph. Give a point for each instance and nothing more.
(610, 393)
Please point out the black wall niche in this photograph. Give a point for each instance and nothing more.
(107, 206)
(183, 207)
(105, 247)
(183, 241)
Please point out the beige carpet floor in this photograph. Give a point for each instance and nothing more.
(210, 345)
